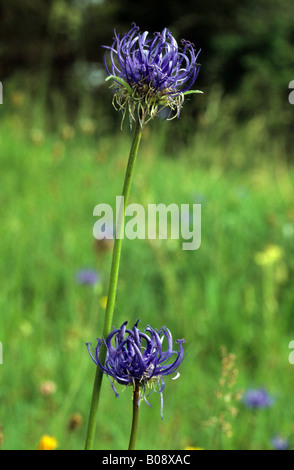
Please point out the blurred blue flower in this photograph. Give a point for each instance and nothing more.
(257, 398)
(150, 73)
(107, 231)
(280, 443)
(87, 276)
(137, 358)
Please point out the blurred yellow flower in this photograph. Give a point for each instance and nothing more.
(193, 448)
(37, 136)
(270, 255)
(47, 443)
(17, 98)
(67, 132)
(103, 301)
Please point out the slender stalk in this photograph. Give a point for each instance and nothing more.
(135, 417)
(112, 287)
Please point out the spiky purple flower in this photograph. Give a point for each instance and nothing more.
(137, 358)
(150, 73)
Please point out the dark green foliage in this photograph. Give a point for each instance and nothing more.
(247, 49)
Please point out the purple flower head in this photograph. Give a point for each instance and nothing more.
(87, 276)
(257, 398)
(137, 358)
(150, 72)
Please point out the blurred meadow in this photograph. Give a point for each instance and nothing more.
(62, 152)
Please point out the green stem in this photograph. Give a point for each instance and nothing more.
(135, 417)
(112, 288)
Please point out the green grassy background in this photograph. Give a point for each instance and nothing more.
(217, 296)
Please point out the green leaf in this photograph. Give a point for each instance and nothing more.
(121, 81)
(189, 92)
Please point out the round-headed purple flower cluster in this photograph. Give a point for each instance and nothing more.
(150, 72)
(137, 358)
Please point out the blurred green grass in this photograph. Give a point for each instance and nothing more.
(216, 296)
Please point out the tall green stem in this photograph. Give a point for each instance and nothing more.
(135, 417)
(112, 287)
